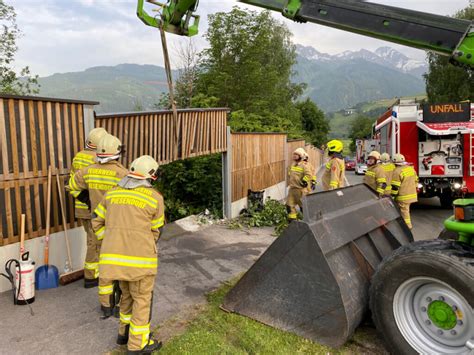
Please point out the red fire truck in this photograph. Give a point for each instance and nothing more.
(438, 139)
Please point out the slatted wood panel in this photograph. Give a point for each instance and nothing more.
(316, 156)
(258, 162)
(200, 132)
(35, 133)
(292, 145)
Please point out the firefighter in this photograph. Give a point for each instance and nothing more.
(375, 174)
(300, 178)
(97, 179)
(388, 167)
(129, 219)
(81, 160)
(313, 183)
(404, 184)
(334, 173)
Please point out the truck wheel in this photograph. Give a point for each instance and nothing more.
(448, 235)
(446, 200)
(422, 299)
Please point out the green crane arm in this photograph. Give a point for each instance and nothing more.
(444, 35)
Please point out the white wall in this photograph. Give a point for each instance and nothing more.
(276, 192)
(57, 252)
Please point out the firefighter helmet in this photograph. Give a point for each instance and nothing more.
(109, 146)
(301, 152)
(144, 167)
(374, 154)
(399, 159)
(94, 137)
(335, 146)
(385, 158)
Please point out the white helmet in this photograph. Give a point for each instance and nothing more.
(374, 154)
(385, 158)
(109, 146)
(399, 159)
(144, 167)
(301, 152)
(94, 137)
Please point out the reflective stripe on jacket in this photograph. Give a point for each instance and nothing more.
(82, 160)
(404, 184)
(128, 222)
(300, 173)
(375, 178)
(98, 179)
(388, 168)
(334, 174)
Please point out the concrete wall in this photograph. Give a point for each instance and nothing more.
(276, 192)
(57, 252)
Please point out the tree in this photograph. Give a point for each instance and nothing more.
(11, 82)
(446, 82)
(185, 85)
(248, 67)
(315, 124)
(361, 127)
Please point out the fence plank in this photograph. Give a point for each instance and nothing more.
(13, 138)
(3, 141)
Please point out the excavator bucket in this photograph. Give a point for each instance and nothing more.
(314, 279)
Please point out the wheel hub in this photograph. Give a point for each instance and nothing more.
(433, 317)
(442, 315)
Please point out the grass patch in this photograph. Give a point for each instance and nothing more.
(216, 332)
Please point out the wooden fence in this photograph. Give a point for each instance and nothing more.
(258, 161)
(34, 134)
(261, 160)
(200, 132)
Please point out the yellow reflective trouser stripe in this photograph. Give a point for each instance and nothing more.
(157, 223)
(297, 169)
(121, 193)
(328, 165)
(100, 211)
(106, 290)
(125, 318)
(100, 233)
(82, 206)
(333, 183)
(94, 267)
(130, 261)
(406, 197)
(292, 215)
(381, 180)
(143, 330)
(380, 190)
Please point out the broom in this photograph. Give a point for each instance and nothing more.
(72, 276)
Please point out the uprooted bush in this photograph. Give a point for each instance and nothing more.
(273, 214)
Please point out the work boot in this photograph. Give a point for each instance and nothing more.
(152, 346)
(90, 283)
(107, 311)
(117, 311)
(123, 339)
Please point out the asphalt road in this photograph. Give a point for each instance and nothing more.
(427, 215)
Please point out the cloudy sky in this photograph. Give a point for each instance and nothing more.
(72, 35)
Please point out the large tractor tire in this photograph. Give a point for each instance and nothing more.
(422, 299)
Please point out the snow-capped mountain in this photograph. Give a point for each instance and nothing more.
(385, 56)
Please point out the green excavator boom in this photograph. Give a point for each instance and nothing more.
(444, 35)
(176, 16)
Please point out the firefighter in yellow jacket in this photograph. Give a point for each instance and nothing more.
(334, 172)
(311, 187)
(81, 160)
(375, 174)
(404, 184)
(388, 167)
(300, 178)
(129, 220)
(97, 179)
